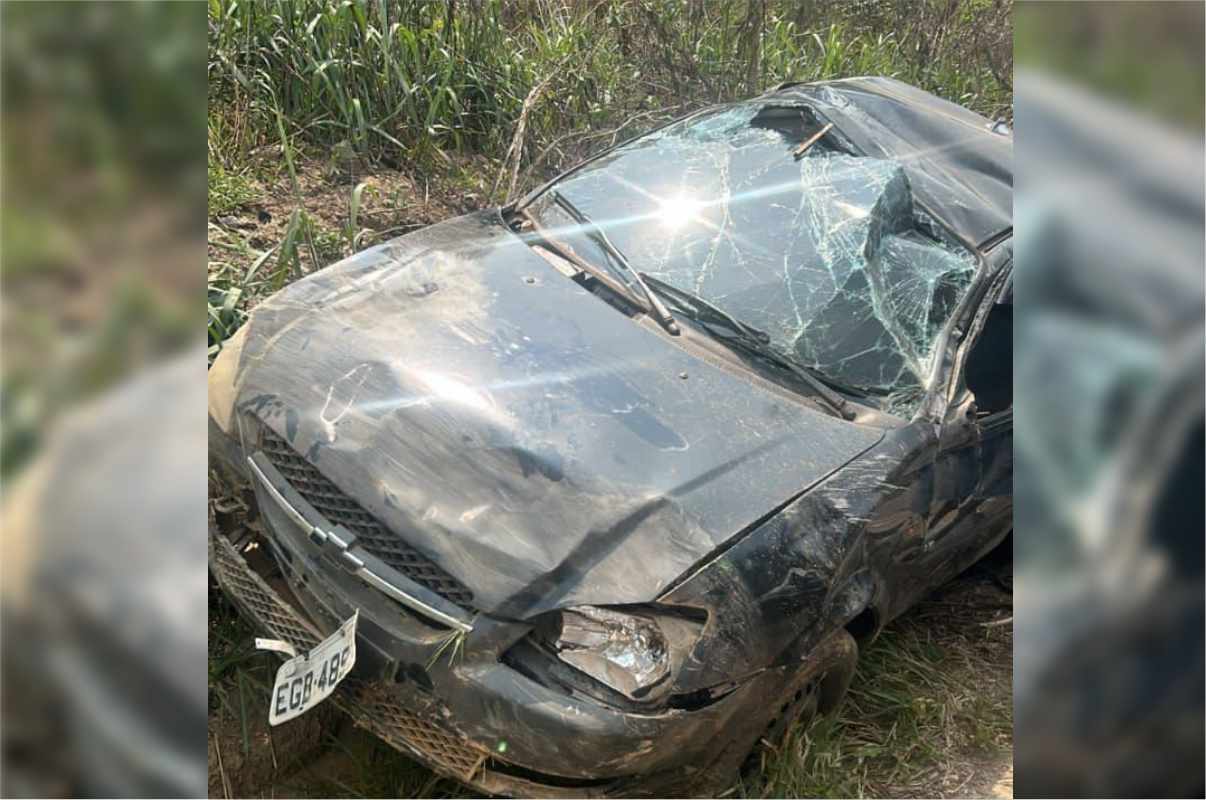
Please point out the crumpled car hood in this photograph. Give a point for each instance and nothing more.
(534, 441)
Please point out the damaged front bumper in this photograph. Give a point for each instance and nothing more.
(448, 688)
(480, 722)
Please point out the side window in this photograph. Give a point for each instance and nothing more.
(988, 373)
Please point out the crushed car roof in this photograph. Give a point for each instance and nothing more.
(959, 168)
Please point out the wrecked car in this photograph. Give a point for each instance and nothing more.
(614, 481)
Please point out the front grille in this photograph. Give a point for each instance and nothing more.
(257, 596)
(369, 707)
(339, 509)
(404, 730)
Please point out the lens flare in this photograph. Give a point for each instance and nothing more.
(676, 212)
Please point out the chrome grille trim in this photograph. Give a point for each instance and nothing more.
(356, 564)
(373, 579)
(334, 506)
(285, 505)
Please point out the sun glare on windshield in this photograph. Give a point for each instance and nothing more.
(675, 212)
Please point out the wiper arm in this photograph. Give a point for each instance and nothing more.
(750, 339)
(546, 240)
(684, 298)
(600, 236)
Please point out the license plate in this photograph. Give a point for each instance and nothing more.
(306, 680)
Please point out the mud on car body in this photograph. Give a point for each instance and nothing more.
(620, 476)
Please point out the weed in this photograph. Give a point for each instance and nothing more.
(328, 245)
(352, 232)
(228, 190)
(360, 84)
(407, 81)
(930, 705)
(453, 645)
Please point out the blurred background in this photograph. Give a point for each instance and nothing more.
(120, 189)
(102, 400)
(1109, 359)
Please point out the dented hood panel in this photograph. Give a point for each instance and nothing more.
(538, 444)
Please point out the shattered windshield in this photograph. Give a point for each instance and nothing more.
(823, 251)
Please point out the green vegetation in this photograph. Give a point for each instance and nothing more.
(411, 80)
(491, 97)
(929, 713)
(228, 191)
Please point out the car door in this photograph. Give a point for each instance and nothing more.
(971, 507)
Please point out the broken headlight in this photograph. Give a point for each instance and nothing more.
(634, 651)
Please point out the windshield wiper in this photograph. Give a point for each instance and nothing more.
(748, 338)
(699, 307)
(548, 242)
(600, 237)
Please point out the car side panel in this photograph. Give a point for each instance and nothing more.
(854, 542)
(972, 506)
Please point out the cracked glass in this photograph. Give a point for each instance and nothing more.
(824, 249)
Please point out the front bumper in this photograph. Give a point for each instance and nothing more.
(462, 711)
(265, 605)
(494, 729)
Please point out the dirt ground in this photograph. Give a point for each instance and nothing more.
(392, 203)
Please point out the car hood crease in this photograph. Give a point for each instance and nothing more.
(532, 440)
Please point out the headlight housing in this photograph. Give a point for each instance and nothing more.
(633, 650)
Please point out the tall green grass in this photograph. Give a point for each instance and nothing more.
(401, 79)
(427, 86)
